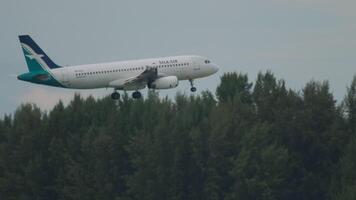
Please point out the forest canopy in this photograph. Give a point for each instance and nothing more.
(247, 140)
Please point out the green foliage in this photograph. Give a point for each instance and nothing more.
(260, 142)
(234, 85)
(350, 105)
(344, 181)
(261, 169)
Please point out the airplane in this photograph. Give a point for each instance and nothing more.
(132, 75)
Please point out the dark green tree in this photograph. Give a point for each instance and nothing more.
(261, 170)
(345, 180)
(234, 85)
(350, 105)
(265, 142)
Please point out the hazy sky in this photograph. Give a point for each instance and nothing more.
(298, 40)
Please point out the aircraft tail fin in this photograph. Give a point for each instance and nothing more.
(36, 58)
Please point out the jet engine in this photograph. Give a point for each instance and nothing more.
(166, 82)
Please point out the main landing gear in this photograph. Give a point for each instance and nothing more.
(193, 89)
(136, 95)
(115, 95)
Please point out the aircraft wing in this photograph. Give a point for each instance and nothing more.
(137, 82)
(146, 76)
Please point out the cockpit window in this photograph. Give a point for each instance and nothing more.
(207, 61)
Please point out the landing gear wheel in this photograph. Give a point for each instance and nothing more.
(193, 89)
(115, 95)
(136, 95)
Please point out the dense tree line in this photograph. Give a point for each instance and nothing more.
(249, 141)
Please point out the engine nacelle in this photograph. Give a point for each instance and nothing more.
(164, 83)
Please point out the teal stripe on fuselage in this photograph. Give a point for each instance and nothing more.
(43, 78)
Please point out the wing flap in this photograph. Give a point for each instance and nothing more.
(140, 81)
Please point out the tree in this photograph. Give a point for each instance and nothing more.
(234, 85)
(268, 95)
(350, 105)
(261, 170)
(345, 180)
(267, 143)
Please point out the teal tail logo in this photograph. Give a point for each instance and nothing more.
(38, 63)
(36, 58)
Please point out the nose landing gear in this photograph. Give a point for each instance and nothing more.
(192, 89)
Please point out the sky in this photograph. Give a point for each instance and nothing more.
(298, 40)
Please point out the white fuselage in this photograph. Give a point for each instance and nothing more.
(104, 75)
